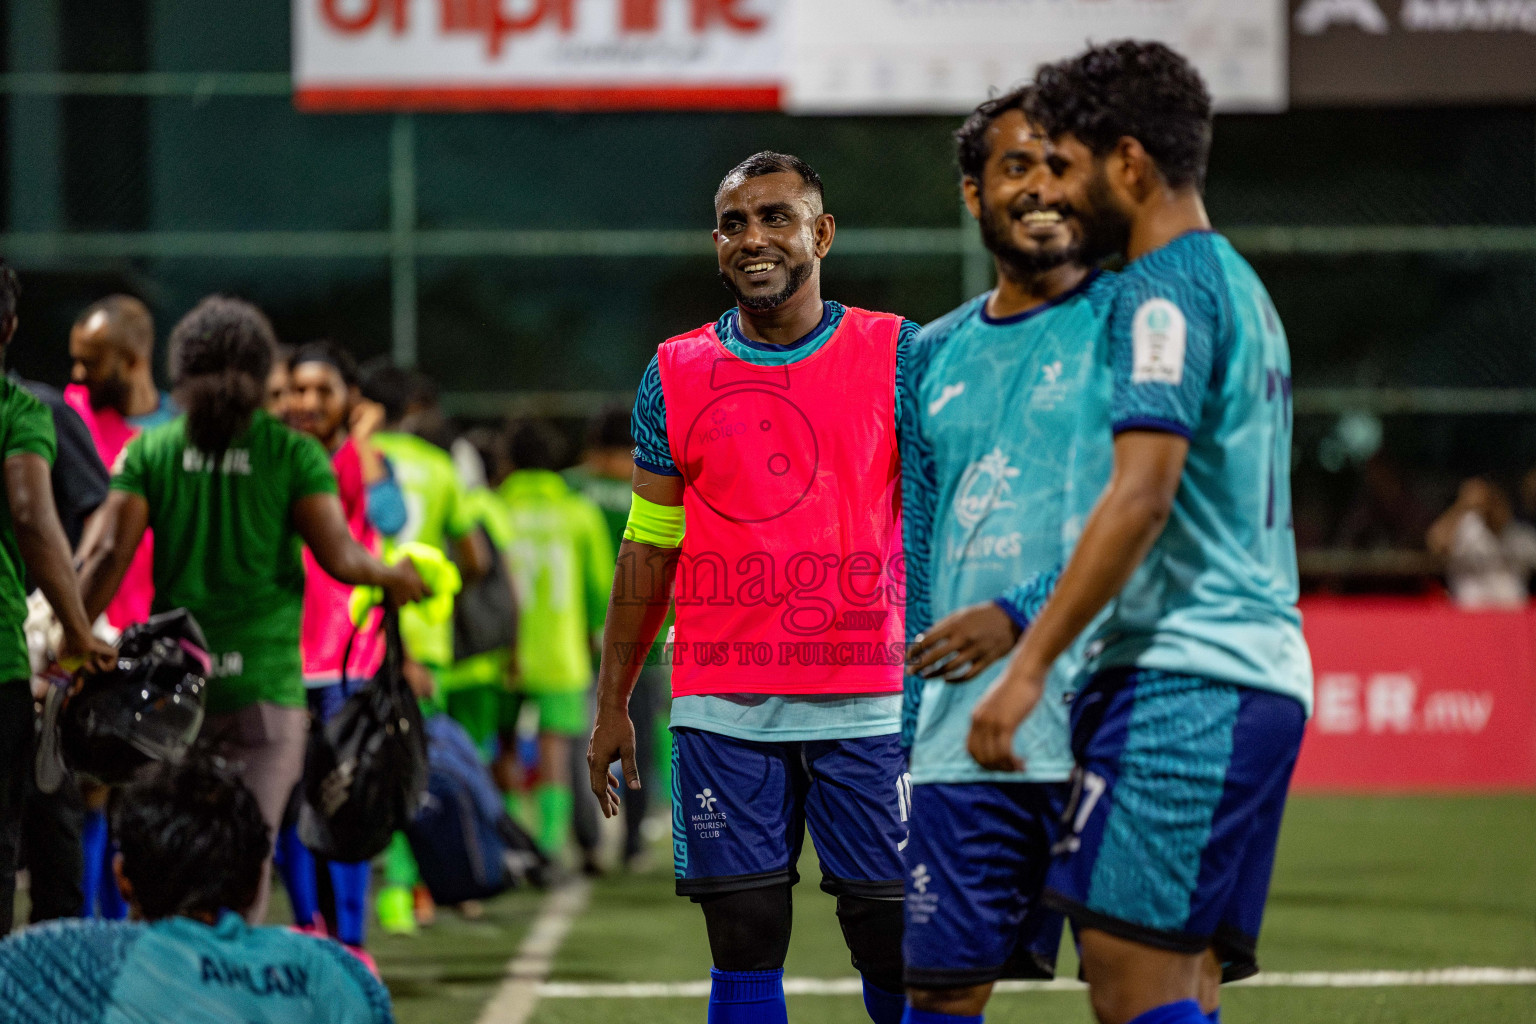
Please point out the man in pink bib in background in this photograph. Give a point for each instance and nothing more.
(112, 387)
(772, 434)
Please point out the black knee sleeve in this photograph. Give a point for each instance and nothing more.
(872, 928)
(749, 930)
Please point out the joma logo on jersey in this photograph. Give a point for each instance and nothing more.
(984, 488)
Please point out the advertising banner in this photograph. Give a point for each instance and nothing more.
(943, 56)
(1351, 52)
(1419, 696)
(537, 54)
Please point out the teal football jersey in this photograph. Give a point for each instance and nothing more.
(1005, 446)
(1196, 348)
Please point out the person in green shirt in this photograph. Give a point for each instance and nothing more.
(604, 476)
(31, 541)
(562, 561)
(232, 496)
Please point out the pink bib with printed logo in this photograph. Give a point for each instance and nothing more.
(790, 579)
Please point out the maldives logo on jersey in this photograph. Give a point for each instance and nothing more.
(984, 488)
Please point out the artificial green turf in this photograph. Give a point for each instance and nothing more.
(1360, 883)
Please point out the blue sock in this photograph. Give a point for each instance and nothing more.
(297, 866)
(915, 1016)
(747, 997)
(350, 884)
(883, 1007)
(1185, 1011)
(1214, 1016)
(93, 845)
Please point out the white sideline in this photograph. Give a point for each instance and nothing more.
(519, 993)
(852, 986)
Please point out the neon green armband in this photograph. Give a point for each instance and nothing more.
(657, 525)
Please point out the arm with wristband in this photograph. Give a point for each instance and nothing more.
(637, 607)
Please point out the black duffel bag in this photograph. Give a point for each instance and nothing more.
(366, 769)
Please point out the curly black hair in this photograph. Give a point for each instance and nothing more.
(971, 148)
(221, 354)
(192, 839)
(1130, 88)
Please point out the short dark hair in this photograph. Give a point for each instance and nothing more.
(1130, 88)
(971, 147)
(389, 385)
(769, 162)
(192, 838)
(221, 355)
(10, 292)
(333, 355)
(130, 320)
(610, 429)
(535, 444)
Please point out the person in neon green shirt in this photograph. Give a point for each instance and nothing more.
(474, 686)
(436, 515)
(605, 476)
(562, 562)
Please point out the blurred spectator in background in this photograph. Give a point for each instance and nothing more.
(1384, 513)
(604, 476)
(562, 561)
(1489, 555)
(279, 383)
(326, 403)
(231, 493)
(436, 515)
(485, 613)
(51, 823)
(193, 844)
(112, 347)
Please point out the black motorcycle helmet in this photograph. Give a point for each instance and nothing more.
(149, 708)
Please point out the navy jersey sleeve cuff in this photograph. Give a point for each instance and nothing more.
(1153, 423)
(656, 467)
(1023, 601)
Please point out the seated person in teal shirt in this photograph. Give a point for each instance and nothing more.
(192, 843)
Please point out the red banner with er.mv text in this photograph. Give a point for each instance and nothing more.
(1417, 695)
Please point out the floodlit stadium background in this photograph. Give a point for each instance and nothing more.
(531, 261)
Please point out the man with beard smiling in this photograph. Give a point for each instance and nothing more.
(775, 428)
(1007, 424)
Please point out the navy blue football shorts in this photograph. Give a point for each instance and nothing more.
(1175, 811)
(976, 865)
(740, 809)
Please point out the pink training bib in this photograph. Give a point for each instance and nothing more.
(112, 432)
(326, 628)
(790, 579)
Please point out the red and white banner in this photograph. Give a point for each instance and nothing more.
(1415, 695)
(537, 54)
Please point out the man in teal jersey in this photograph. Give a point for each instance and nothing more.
(1006, 421)
(191, 845)
(833, 758)
(1188, 724)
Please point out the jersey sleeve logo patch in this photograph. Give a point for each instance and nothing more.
(1157, 343)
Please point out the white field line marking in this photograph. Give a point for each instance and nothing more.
(853, 987)
(514, 1001)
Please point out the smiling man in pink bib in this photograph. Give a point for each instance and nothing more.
(772, 434)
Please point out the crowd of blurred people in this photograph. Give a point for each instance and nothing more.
(258, 491)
